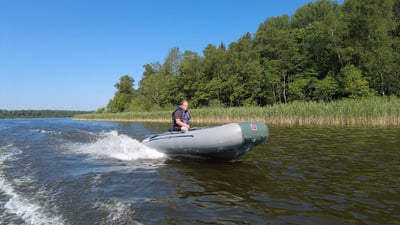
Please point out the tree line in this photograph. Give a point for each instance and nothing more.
(12, 114)
(325, 51)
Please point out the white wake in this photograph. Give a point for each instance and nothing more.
(27, 208)
(117, 146)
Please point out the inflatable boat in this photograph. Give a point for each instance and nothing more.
(227, 142)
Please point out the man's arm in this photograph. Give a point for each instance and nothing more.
(182, 124)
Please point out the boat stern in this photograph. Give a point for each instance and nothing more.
(253, 133)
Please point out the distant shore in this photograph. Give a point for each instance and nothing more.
(373, 111)
(44, 113)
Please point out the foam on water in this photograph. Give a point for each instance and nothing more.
(117, 146)
(117, 212)
(8, 153)
(27, 209)
(46, 131)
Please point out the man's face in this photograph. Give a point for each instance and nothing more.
(185, 106)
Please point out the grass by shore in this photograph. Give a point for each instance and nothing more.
(373, 111)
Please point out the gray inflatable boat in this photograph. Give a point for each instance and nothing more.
(227, 142)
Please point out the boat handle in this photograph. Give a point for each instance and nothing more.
(169, 137)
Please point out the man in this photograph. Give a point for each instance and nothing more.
(181, 117)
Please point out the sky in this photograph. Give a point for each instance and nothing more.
(69, 54)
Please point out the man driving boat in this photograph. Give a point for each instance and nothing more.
(181, 117)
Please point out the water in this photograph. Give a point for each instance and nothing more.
(60, 171)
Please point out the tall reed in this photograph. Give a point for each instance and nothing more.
(372, 111)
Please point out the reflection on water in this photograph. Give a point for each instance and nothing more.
(302, 175)
(59, 171)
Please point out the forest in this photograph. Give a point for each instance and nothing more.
(325, 52)
(12, 114)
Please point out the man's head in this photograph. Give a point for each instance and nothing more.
(185, 105)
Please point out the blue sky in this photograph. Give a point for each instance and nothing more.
(68, 54)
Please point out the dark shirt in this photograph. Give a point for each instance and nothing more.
(184, 116)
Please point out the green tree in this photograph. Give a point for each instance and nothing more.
(153, 87)
(159, 82)
(123, 95)
(396, 17)
(369, 24)
(214, 67)
(172, 62)
(313, 12)
(141, 103)
(354, 85)
(172, 94)
(326, 88)
(278, 44)
(191, 78)
(245, 81)
(325, 51)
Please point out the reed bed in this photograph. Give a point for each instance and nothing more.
(373, 111)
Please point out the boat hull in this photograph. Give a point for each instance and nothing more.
(228, 142)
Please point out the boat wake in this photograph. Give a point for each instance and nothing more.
(19, 207)
(116, 146)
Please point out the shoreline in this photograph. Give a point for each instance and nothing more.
(370, 112)
(276, 122)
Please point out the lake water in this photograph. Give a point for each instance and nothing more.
(61, 171)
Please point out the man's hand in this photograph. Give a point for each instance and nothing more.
(184, 126)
